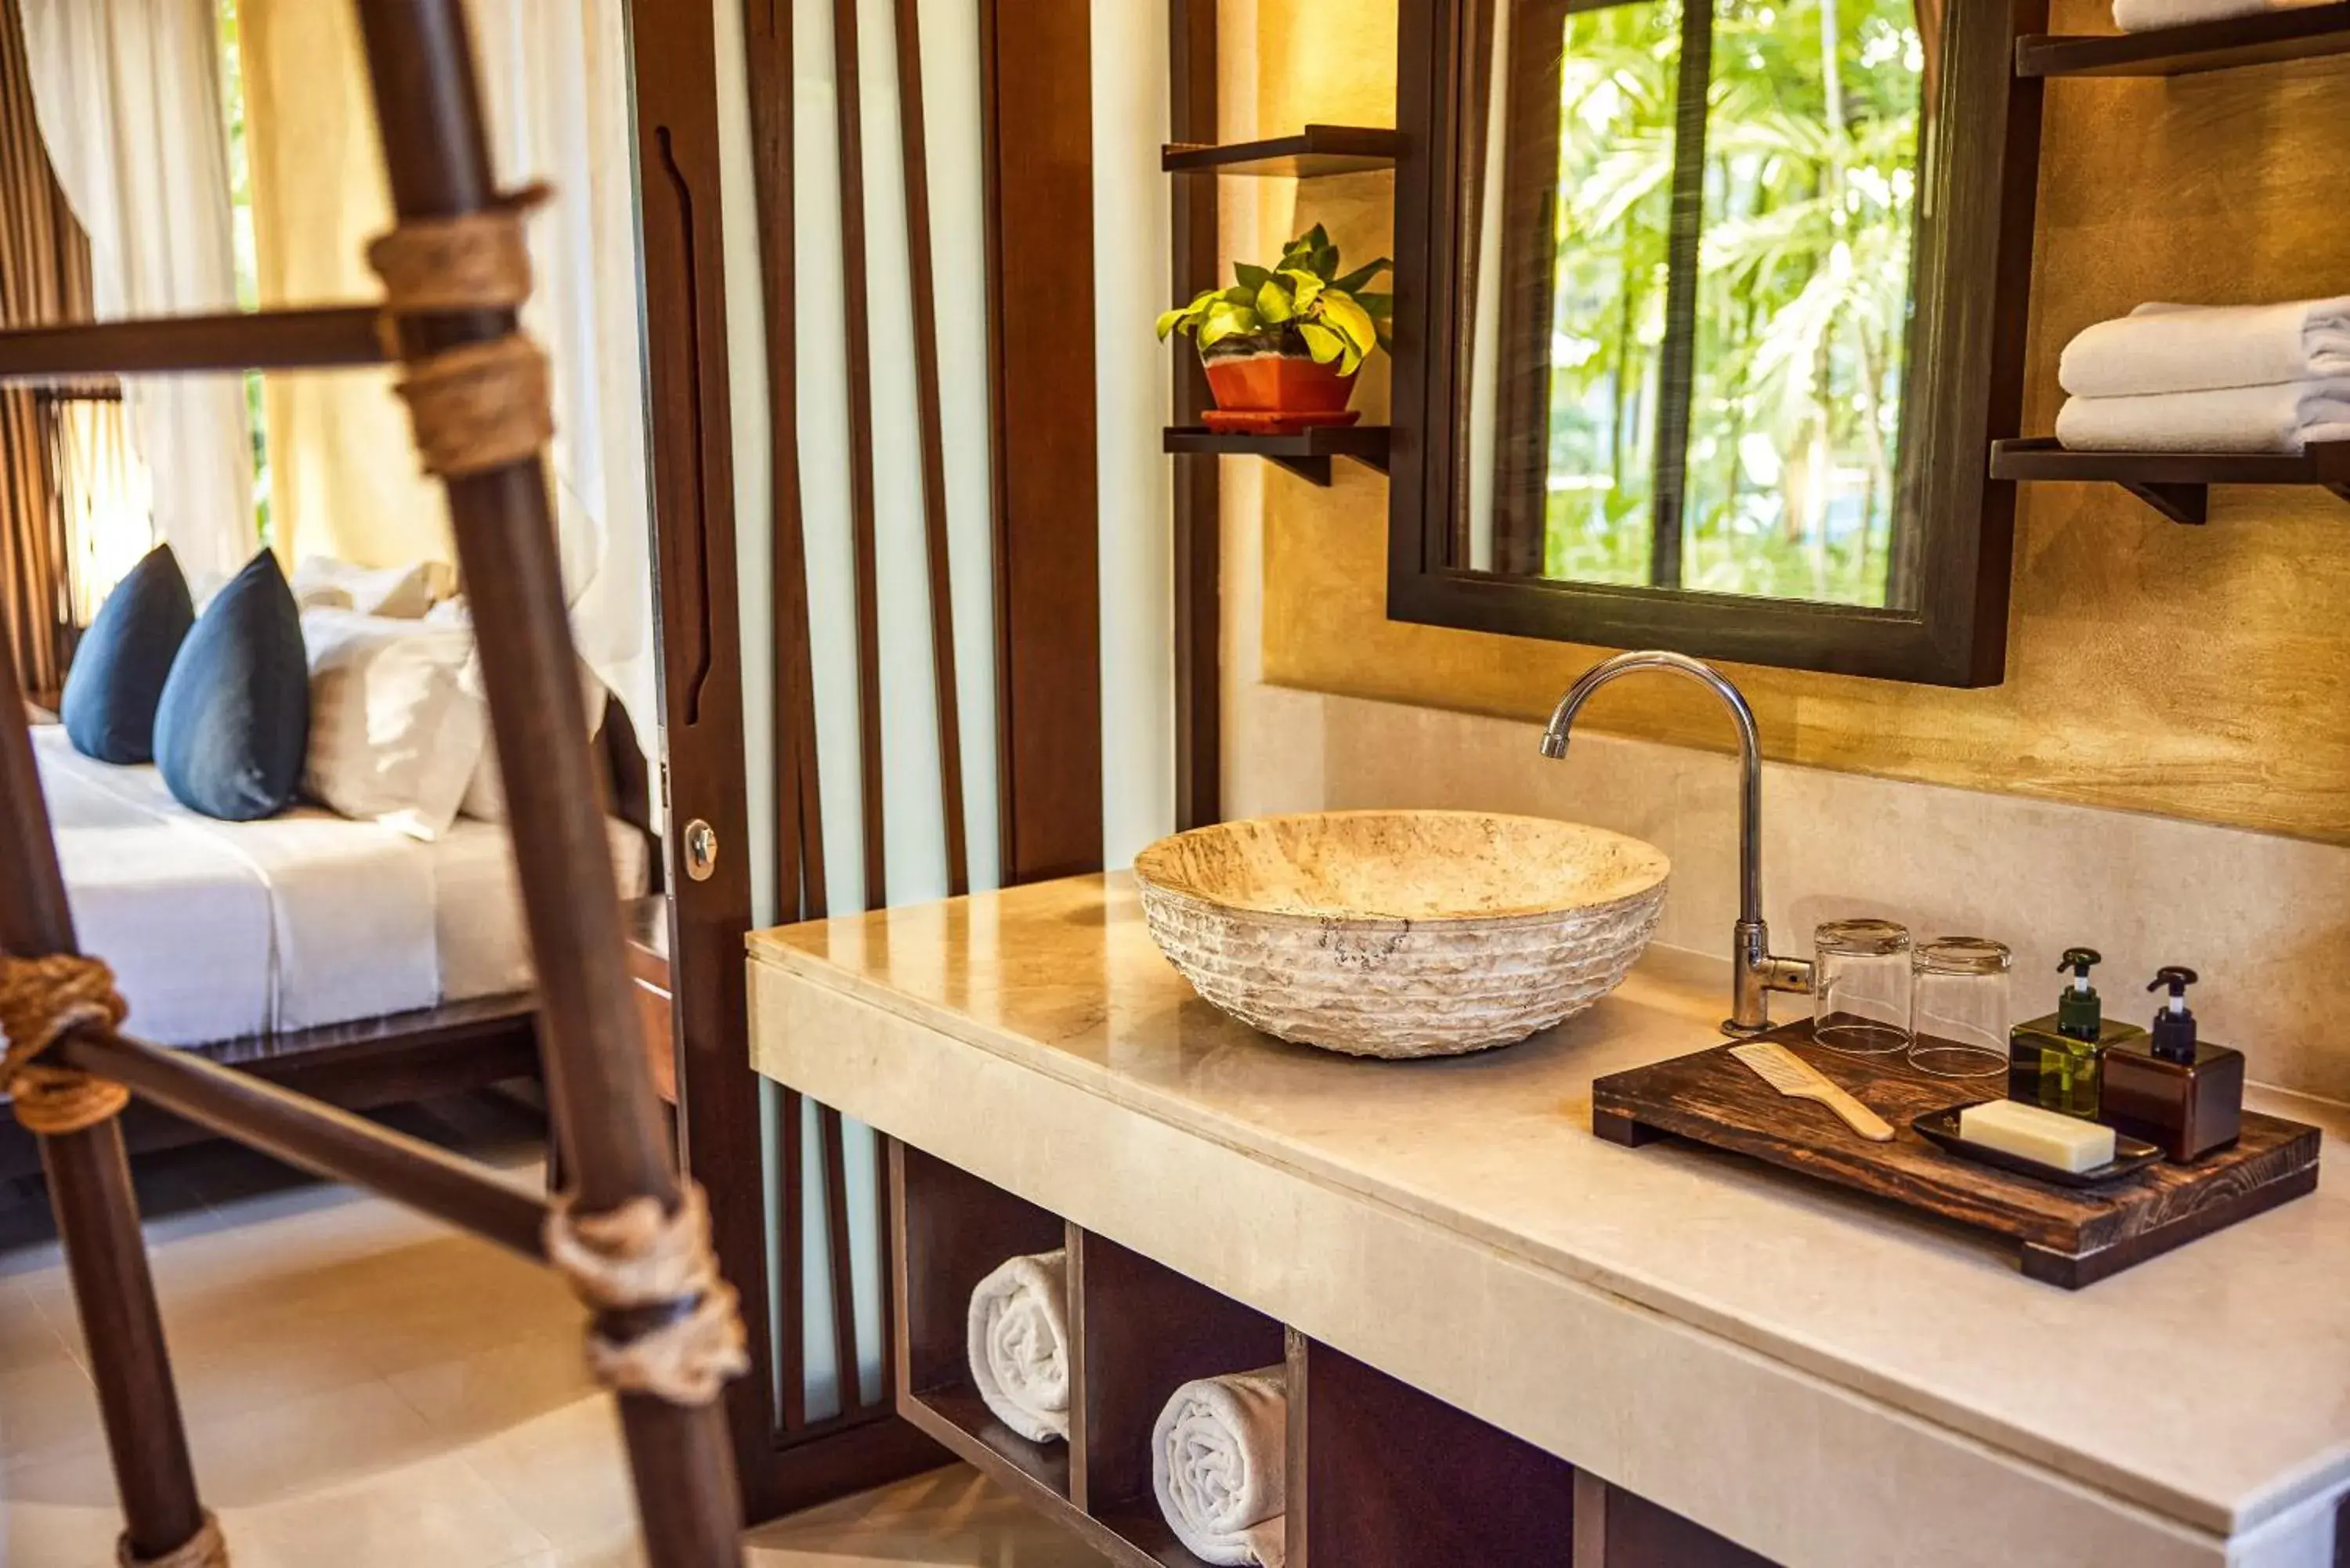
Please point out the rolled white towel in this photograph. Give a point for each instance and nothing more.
(1019, 1344)
(2285, 418)
(2194, 348)
(2152, 15)
(1217, 1461)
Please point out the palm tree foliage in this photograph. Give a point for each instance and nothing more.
(1803, 297)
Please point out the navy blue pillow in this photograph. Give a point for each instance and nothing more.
(235, 717)
(125, 656)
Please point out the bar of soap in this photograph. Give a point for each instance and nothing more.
(2045, 1137)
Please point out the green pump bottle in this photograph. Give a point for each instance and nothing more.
(2056, 1062)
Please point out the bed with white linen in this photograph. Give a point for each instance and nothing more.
(223, 930)
(346, 960)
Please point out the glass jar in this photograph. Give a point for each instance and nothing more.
(1861, 985)
(1960, 1008)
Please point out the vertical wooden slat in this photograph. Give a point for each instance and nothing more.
(437, 156)
(849, 98)
(857, 322)
(1037, 96)
(832, 1135)
(1198, 507)
(768, 52)
(791, 1320)
(799, 834)
(914, 137)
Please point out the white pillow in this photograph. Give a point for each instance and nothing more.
(395, 733)
(486, 795)
(396, 592)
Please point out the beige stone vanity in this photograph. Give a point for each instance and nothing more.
(1818, 1378)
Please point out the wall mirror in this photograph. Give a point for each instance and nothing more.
(1709, 312)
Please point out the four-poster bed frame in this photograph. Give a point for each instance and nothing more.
(632, 1236)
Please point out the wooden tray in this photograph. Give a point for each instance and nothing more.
(2063, 1236)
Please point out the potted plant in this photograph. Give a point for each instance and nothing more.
(1282, 344)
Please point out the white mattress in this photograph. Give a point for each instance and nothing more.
(220, 930)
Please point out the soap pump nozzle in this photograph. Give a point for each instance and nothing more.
(2174, 1026)
(2080, 1012)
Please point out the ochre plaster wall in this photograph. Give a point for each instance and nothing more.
(2202, 673)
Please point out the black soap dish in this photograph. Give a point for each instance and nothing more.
(1941, 1128)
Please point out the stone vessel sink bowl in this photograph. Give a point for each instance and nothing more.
(1402, 933)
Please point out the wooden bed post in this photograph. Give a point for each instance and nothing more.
(606, 1112)
(89, 1189)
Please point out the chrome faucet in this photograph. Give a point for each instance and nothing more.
(1757, 971)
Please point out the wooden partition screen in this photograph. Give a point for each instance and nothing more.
(1034, 71)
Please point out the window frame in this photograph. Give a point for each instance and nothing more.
(1955, 524)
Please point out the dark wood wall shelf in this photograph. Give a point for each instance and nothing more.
(1315, 152)
(2176, 484)
(1306, 455)
(2224, 44)
(1456, 1491)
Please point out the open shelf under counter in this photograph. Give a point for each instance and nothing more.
(1315, 152)
(959, 1420)
(2256, 40)
(1306, 453)
(2176, 484)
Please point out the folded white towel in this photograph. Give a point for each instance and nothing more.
(2149, 15)
(2195, 349)
(2284, 419)
(1217, 1463)
(1019, 1343)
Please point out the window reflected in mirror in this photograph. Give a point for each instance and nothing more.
(1693, 281)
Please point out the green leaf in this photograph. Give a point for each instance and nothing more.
(1318, 237)
(1252, 278)
(1274, 305)
(1228, 321)
(1379, 307)
(1353, 282)
(1350, 320)
(1190, 315)
(1304, 286)
(1325, 346)
(1325, 263)
(1240, 293)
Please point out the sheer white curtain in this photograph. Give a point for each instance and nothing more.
(129, 99)
(556, 81)
(552, 75)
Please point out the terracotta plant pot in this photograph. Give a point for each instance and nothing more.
(1264, 389)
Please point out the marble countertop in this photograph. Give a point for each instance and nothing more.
(2210, 1385)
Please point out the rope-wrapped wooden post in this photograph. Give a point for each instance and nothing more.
(89, 1178)
(477, 391)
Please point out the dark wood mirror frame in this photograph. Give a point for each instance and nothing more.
(1963, 390)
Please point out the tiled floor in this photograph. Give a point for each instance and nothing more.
(363, 1388)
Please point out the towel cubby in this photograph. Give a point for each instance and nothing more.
(950, 1230)
(1379, 1474)
(1141, 1331)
